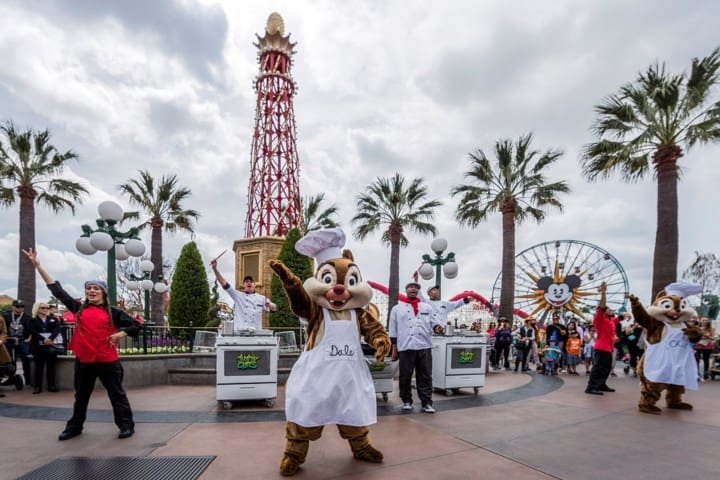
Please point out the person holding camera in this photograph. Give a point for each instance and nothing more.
(524, 345)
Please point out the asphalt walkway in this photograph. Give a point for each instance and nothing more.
(520, 426)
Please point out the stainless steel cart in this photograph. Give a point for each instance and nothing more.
(459, 361)
(246, 367)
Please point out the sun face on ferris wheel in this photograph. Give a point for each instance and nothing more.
(558, 291)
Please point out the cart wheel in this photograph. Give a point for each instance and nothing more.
(449, 392)
(227, 405)
(476, 390)
(385, 396)
(18, 383)
(269, 402)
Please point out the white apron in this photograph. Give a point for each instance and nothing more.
(672, 360)
(331, 383)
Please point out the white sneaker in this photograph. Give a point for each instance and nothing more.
(407, 406)
(428, 409)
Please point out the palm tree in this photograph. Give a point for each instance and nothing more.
(314, 217)
(390, 207)
(29, 169)
(656, 115)
(517, 188)
(162, 202)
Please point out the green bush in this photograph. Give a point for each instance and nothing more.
(301, 265)
(189, 292)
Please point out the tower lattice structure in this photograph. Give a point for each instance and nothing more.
(274, 204)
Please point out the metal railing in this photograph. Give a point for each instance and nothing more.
(167, 340)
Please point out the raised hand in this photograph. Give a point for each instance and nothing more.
(31, 254)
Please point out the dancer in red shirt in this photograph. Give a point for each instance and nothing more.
(98, 329)
(604, 323)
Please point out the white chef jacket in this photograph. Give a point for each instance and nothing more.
(247, 308)
(413, 332)
(441, 307)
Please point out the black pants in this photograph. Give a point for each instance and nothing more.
(421, 362)
(44, 358)
(705, 355)
(600, 371)
(111, 376)
(503, 353)
(20, 349)
(522, 356)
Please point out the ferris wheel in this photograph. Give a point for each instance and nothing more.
(564, 276)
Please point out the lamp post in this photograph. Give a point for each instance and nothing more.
(118, 245)
(449, 267)
(146, 282)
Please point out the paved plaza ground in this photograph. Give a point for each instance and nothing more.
(520, 426)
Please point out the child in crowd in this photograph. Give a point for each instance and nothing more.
(588, 345)
(574, 348)
(551, 356)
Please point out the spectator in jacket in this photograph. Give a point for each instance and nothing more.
(43, 329)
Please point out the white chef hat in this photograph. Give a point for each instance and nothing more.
(323, 245)
(683, 289)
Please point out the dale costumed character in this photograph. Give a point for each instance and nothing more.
(669, 359)
(331, 382)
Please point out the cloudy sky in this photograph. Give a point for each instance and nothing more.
(384, 87)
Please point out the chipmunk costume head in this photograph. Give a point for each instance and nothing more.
(669, 359)
(331, 382)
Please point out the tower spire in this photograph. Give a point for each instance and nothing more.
(274, 204)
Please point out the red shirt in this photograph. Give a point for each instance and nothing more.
(90, 342)
(605, 328)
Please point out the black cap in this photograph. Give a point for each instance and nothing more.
(409, 284)
(248, 277)
(18, 304)
(434, 286)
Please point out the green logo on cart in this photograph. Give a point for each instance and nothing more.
(247, 361)
(467, 356)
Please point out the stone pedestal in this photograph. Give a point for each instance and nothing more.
(251, 258)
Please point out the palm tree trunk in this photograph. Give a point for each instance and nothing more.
(665, 257)
(394, 281)
(507, 287)
(157, 314)
(26, 271)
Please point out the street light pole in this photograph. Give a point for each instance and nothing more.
(146, 283)
(118, 245)
(447, 263)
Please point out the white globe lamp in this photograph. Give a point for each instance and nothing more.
(450, 270)
(426, 271)
(147, 266)
(160, 288)
(120, 252)
(84, 246)
(134, 247)
(147, 284)
(132, 286)
(439, 245)
(110, 210)
(101, 241)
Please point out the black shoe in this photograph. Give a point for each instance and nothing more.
(2, 395)
(607, 389)
(593, 392)
(53, 389)
(126, 432)
(68, 434)
(37, 390)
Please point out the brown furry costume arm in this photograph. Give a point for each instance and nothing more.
(300, 302)
(694, 333)
(654, 327)
(374, 334)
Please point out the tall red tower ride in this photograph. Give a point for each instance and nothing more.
(274, 204)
